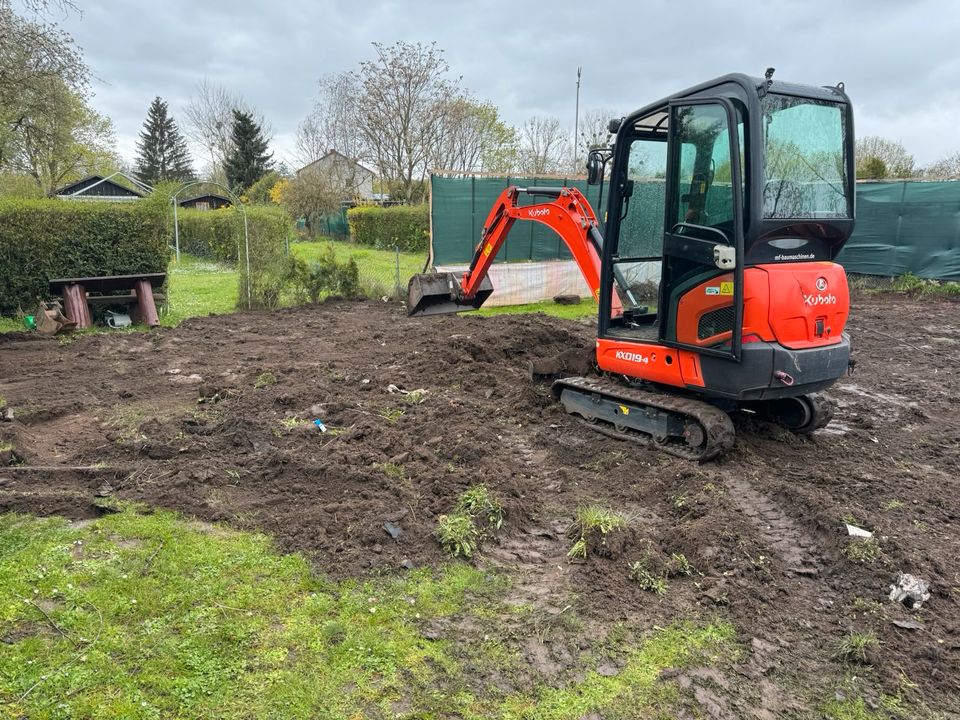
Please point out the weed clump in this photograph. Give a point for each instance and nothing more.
(857, 648)
(641, 574)
(591, 530)
(265, 379)
(476, 515)
(863, 551)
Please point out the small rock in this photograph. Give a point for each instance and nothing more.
(406, 564)
(377, 549)
(393, 530)
(608, 670)
(8, 414)
(567, 299)
(316, 410)
(908, 624)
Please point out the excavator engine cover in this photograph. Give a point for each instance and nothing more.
(441, 294)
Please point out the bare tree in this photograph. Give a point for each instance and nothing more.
(333, 123)
(945, 167)
(544, 146)
(473, 138)
(43, 7)
(210, 119)
(404, 95)
(893, 157)
(593, 133)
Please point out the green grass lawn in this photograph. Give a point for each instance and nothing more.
(198, 287)
(152, 616)
(586, 309)
(373, 263)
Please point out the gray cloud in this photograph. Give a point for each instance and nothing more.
(898, 59)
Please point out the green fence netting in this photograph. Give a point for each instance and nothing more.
(460, 206)
(906, 227)
(902, 227)
(332, 224)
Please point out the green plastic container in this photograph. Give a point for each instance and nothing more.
(31, 322)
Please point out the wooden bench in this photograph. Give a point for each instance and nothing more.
(135, 288)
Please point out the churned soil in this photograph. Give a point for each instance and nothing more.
(216, 419)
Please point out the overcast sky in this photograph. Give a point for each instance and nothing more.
(899, 59)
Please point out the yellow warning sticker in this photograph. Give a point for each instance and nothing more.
(624, 410)
(596, 294)
(488, 249)
(726, 288)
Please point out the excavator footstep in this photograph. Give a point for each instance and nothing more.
(440, 294)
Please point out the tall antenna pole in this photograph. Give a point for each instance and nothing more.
(576, 122)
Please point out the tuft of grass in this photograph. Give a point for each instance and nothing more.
(594, 518)
(415, 397)
(265, 379)
(866, 550)
(478, 501)
(476, 515)
(392, 415)
(458, 534)
(578, 550)
(893, 504)
(394, 470)
(855, 646)
(590, 521)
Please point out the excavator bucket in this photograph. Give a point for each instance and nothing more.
(441, 294)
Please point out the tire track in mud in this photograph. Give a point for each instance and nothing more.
(778, 531)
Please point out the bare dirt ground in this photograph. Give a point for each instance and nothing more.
(107, 416)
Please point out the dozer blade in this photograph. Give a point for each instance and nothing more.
(440, 294)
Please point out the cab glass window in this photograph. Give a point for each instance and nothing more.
(805, 174)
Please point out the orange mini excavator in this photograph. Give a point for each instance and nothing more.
(727, 205)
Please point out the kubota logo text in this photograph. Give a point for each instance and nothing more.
(538, 212)
(820, 299)
(632, 357)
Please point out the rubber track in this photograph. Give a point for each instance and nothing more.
(716, 424)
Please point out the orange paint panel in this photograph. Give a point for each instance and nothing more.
(716, 293)
(646, 361)
(803, 295)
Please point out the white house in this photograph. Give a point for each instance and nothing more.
(356, 179)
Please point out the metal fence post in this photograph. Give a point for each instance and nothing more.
(396, 289)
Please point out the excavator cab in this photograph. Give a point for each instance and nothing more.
(727, 204)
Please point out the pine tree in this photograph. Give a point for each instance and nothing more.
(248, 160)
(161, 150)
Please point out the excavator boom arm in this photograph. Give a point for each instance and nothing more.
(567, 213)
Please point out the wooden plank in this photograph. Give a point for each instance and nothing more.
(126, 299)
(108, 282)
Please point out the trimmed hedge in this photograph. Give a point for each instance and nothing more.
(403, 226)
(218, 235)
(45, 239)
